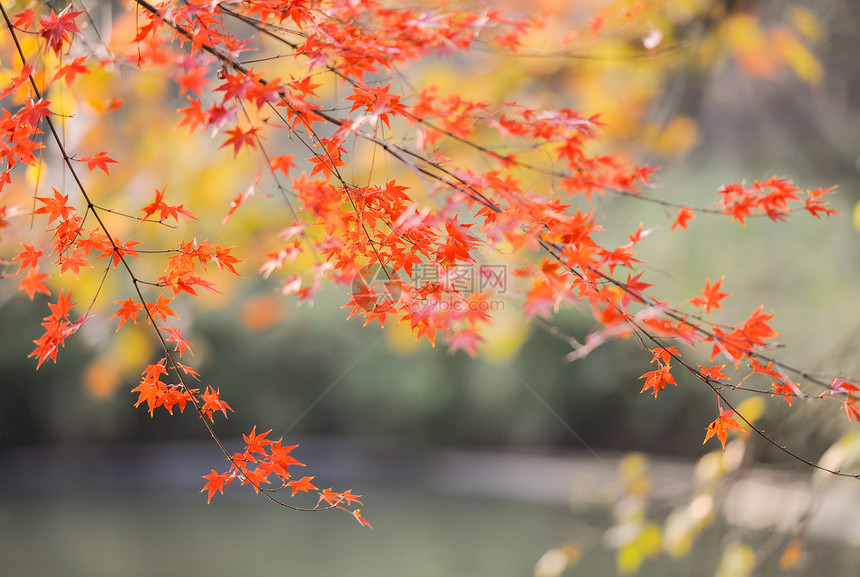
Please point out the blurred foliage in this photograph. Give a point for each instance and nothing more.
(709, 522)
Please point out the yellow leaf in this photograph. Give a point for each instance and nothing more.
(677, 137)
(400, 338)
(36, 174)
(741, 32)
(752, 408)
(130, 348)
(648, 543)
(507, 333)
(797, 56)
(633, 470)
(843, 454)
(804, 21)
(62, 103)
(738, 560)
(857, 216)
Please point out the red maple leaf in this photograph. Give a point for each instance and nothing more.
(193, 116)
(55, 207)
(176, 337)
(73, 262)
(62, 307)
(852, 410)
(657, 380)
(685, 215)
(721, 425)
(350, 498)
(100, 160)
(664, 354)
(69, 71)
(29, 257)
(128, 311)
(239, 138)
(212, 402)
(330, 496)
(360, 519)
(165, 210)
(788, 389)
(256, 443)
(160, 309)
(712, 295)
(119, 250)
(24, 19)
(56, 28)
(715, 373)
(756, 329)
(304, 484)
(34, 283)
(215, 482)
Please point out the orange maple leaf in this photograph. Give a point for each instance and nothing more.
(714, 373)
(160, 309)
(304, 484)
(685, 215)
(360, 519)
(100, 160)
(34, 283)
(216, 482)
(852, 410)
(239, 138)
(330, 496)
(721, 425)
(712, 295)
(256, 443)
(212, 402)
(55, 207)
(657, 380)
(128, 311)
(664, 354)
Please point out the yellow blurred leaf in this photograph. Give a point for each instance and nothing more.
(507, 333)
(63, 103)
(628, 560)
(797, 56)
(633, 470)
(741, 32)
(679, 530)
(752, 408)
(131, 348)
(36, 174)
(709, 468)
(677, 137)
(842, 454)
(738, 560)
(647, 544)
(805, 22)
(400, 338)
(857, 216)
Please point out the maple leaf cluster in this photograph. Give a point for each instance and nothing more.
(446, 215)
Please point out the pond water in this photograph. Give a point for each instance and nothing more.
(435, 515)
